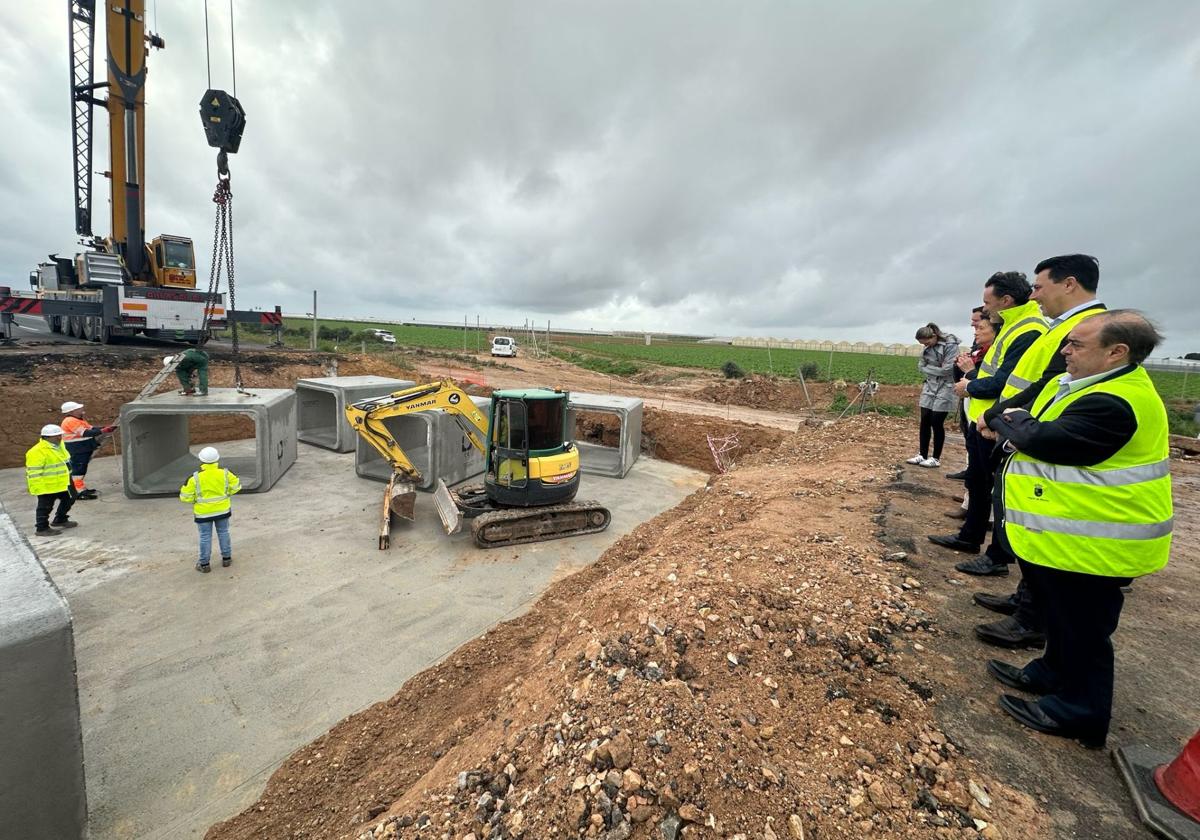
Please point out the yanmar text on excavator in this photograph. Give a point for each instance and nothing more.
(531, 473)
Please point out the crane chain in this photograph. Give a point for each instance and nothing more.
(222, 262)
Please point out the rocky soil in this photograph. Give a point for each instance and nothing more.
(740, 667)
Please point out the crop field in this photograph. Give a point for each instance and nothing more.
(889, 370)
(852, 367)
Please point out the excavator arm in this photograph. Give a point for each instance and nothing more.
(367, 418)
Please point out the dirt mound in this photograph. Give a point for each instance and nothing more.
(737, 667)
(35, 385)
(780, 394)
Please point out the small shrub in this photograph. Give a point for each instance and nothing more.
(810, 372)
(732, 370)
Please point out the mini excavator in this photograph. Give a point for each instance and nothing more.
(531, 465)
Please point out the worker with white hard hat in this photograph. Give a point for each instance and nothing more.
(82, 439)
(209, 491)
(48, 476)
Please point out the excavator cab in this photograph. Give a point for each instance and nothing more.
(531, 461)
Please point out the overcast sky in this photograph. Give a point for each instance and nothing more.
(796, 169)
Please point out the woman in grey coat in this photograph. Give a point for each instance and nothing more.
(937, 395)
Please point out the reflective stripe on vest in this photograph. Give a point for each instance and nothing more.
(1028, 318)
(1032, 366)
(208, 500)
(1112, 519)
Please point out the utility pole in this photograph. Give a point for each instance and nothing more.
(314, 314)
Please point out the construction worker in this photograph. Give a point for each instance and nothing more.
(48, 476)
(192, 361)
(82, 439)
(209, 491)
(1006, 293)
(1087, 508)
(1065, 288)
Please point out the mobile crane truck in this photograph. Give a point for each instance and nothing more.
(122, 285)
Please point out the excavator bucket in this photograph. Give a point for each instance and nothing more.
(447, 509)
(402, 498)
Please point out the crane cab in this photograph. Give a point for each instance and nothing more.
(531, 460)
(172, 262)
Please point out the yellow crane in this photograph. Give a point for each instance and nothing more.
(531, 473)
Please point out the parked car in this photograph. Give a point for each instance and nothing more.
(502, 345)
(384, 336)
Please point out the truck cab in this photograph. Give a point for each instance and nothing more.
(172, 261)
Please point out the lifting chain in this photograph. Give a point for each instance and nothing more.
(222, 261)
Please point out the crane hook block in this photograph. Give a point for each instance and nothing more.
(224, 120)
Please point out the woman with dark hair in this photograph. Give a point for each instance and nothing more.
(937, 395)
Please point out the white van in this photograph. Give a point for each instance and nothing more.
(502, 345)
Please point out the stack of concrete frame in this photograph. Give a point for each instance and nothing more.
(599, 459)
(435, 444)
(157, 457)
(42, 790)
(321, 419)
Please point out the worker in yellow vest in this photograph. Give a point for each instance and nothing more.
(1065, 288)
(209, 491)
(48, 476)
(1087, 507)
(1006, 293)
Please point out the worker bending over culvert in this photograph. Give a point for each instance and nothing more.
(192, 362)
(48, 476)
(209, 491)
(82, 439)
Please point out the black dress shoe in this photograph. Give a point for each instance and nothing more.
(983, 566)
(1014, 677)
(1029, 713)
(957, 514)
(62, 523)
(957, 476)
(1009, 633)
(1003, 604)
(88, 495)
(952, 541)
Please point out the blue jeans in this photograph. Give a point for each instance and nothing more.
(206, 537)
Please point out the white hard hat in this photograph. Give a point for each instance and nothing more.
(70, 406)
(209, 455)
(167, 360)
(52, 430)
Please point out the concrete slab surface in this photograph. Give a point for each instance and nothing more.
(193, 688)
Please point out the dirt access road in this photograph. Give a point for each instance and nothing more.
(779, 404)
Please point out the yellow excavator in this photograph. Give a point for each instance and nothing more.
(531, 472)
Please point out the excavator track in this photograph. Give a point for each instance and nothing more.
(517, 526)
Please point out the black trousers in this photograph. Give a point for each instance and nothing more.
(933, 423)
(45, 502)
(80, 460)
(1076, 669)
(979, 481)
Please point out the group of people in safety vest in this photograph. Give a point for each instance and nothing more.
(1067, 451)
(56, 468)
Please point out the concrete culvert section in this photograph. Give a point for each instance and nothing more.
(608, 431)
(321, 404)
(158, 438)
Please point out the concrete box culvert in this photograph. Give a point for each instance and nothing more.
(321, 407)
(42, 790)
(157, 458)
(599, 459)
(433, 441)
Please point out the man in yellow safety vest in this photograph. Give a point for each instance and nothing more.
(1065, 288)
(209, 491)
(1006, 293)
(48, 476)
(1087, 508)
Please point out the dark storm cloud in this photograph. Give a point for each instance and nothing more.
(841, 170)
